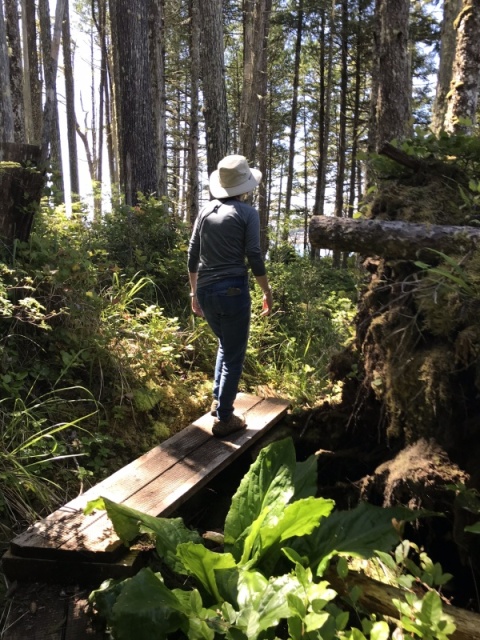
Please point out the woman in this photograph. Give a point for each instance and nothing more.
(226, 232)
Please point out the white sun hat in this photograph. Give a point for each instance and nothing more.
(233, 177)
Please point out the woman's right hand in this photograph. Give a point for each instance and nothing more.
(196, 308)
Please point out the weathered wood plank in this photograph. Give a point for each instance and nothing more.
(49, 534)
(156, 484)
(168, 491)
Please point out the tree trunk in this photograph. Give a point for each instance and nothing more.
(157, 54)
(6, 107)
(192, 205)
(136, 128)
(51, 129)
(293, 121)
(376, 597)
(393, 102)
(256, 17)
(324, 112)
(263, 136)
(70, 105)
(451, 9)
(391, 239)
(352, 190)
(342, 132)
(21, 187)
(16, 72)
(213, 81)
(31, 70)
(463, 95)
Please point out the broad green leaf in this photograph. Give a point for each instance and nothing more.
(169, 532)
(267, 485)
(251, 587)
(299, 518)
(474, 528)
(199, 623)
(273, 605)
(358, 532)
(305, 478)
(380, 631)
(146, 609)
(105, 597)
(314, 621)
(201, 563)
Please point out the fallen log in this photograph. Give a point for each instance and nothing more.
(376, 597)
(391, 238)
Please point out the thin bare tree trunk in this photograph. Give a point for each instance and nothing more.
(325, 115)
(6, 108)
(16, 72)
(193, 134)
(70, 105)
(342, 134)
(157, 52)
(256, 18)
(32, 83)
(353, 187)
(263, 128)
(213, 80)
(451, 9)
(393, 105)
(51, 129)
(463, 96)
(293, 120)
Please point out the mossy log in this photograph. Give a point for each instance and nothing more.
(376, 597)
(21, 185)
(391, 238)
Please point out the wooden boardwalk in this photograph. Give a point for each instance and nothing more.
(69, 547)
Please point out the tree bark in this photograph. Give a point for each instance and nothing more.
(263, 135)
(451, 9)
(213, 80)
(293, 121)
(256, 17)
(376, 597)
(51, 129)
(21, 187)
(136, 128)
(70, 105)
(463, 95)
(31, 71)
(192, 204)
(391, 239)
(393, 101)
(6, 107)
(157, 55)
(342, 132)
(324, 110)
(16, 72)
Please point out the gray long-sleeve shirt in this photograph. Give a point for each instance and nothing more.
(222, 239)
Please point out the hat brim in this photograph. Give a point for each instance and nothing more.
(218, 191)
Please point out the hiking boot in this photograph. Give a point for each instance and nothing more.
(223, 428)
(213, 407)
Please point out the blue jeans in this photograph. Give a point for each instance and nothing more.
(226, 306)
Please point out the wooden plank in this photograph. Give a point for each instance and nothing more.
(50, 533)
(61, 570)
(168, 491)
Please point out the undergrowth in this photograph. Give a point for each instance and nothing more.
(277, 570)
(101, 358)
